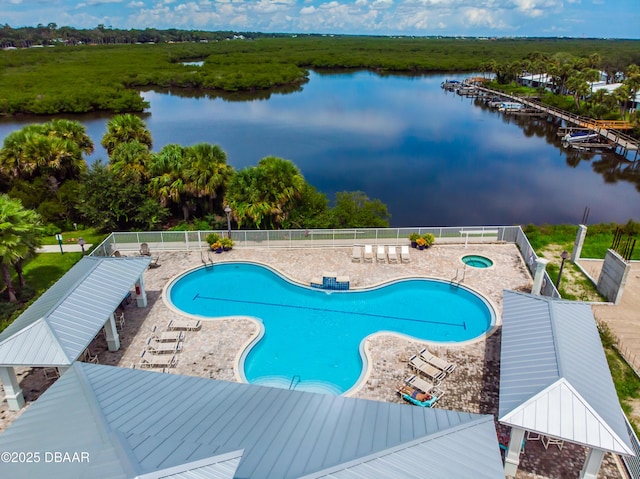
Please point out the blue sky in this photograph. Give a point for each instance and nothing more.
(573, 18)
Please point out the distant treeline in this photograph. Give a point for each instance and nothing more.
(79, 79)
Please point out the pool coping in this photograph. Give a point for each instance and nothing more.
(365, 353)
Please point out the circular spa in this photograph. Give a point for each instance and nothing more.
(311, 337)
(476, 261)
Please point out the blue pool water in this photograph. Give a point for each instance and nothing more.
(312, 337)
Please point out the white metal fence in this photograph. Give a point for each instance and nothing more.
(320, 238)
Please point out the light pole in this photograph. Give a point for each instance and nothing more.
(564, 256)
(227, 210)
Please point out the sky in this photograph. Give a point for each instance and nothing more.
(492, 18)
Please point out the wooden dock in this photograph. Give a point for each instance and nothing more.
(609, 130)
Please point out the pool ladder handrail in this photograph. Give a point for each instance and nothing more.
(294, 383)
(208, 264)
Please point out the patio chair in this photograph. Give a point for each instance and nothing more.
(177, 325)
(51, 373)
(548, 441)
(155, 361)
(166, 336)
(427, 369)
(414, 396)
(368, 253)
(144, 249)
(436, 361)
(87, 357)
(117, 254)
(393, 256)
(120, 322)
(156, 347)
(404, 254)
(420, 384)
(381, 256)
(356, 255)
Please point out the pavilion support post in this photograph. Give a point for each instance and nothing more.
(592, 464)
(111, 334)
(141, 294)
(62, 370)
(12, 391)
(512, 456)
(541, 266)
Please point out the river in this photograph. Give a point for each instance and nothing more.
(433, 157)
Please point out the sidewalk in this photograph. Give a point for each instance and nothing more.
(67, 248)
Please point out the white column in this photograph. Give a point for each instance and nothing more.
(111, 334)
(592, 464)
(141, 294)
(12, 390)
(579, 242)
(512, 456)
(541, 266)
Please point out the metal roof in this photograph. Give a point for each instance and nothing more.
(61, 323)
(554, 376)
(139, 423)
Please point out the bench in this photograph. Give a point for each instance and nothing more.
(477, 232)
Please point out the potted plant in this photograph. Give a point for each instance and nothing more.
(413, 237)
(212, 238)
(421, 243)
(227, 244)
(429, 239)
(217, 247)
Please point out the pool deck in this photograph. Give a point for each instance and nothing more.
(213, 351)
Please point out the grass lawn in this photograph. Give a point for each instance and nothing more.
(40, 273)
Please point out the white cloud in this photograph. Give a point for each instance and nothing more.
(135, 4)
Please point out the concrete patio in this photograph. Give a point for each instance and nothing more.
(213, 351)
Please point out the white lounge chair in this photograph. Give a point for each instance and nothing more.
(87, 357)
(177, 325)
(420, 384)
(157, 361)
(357, 254)
(166, 336)
(156, 347)
(427, 369)
(404, 253)
(438, 362)
(368, 253)
(381, 256)
(393, 256)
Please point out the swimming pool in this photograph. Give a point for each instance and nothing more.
(312, 337)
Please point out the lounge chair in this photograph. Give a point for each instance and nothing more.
(51, 373)
(144, 249)
(404, 253)
(393, 256)
(356, 256)
(157, 361)
(117, 254)
(381, 256)
(166, 336)
(156, 347)
(368, 253)
(154, 262)
(120, 321)
(420, 384)
(427, 369)
(438, 362)
(177, 325)
(87, 357)
(414, 396)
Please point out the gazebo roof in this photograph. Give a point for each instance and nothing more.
(61, 323)
(136, 423)
(554, 377)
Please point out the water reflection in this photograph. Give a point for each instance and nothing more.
(435, 158)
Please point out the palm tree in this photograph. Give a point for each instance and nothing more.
(131, 160)
(167, 181)
(206, 172)
(124, 128)
(265, 194)
(20, 231)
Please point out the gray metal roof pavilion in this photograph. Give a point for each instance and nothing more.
(554, 376)
(56, 329)
(142, 424)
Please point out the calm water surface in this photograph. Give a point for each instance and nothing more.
(433, 157)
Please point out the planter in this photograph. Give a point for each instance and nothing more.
(414, 244)
(226, 248)
(217, 250)
(421, 247)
